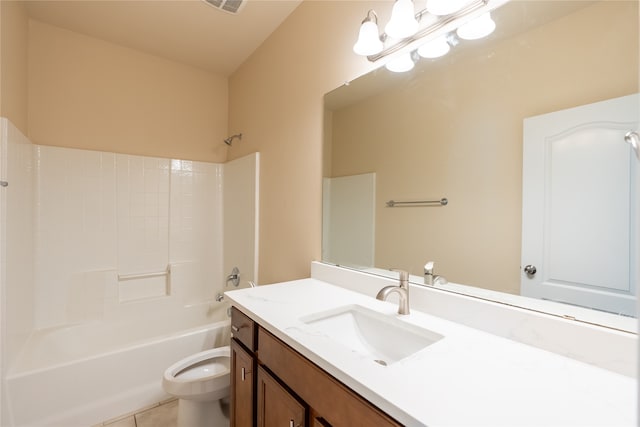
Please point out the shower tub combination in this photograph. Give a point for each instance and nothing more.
(109, 269)
(85, 374)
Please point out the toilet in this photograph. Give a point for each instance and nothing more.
(201, 382)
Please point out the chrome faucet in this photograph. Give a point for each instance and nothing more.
(430, 278)
(402, 290)
(234, 277)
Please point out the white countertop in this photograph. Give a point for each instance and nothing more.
(468, 378)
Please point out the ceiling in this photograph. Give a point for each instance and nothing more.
(187, 31)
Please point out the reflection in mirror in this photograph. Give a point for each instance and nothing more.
(454, 128)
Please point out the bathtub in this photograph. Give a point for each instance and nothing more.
(81, 375)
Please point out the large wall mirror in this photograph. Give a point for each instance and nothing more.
(455, 128)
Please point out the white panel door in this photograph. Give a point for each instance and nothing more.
(579, 219)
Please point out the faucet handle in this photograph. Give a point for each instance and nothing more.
(428, 267)
(430, 278)
(428, 273)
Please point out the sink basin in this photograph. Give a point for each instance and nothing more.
(382, 338)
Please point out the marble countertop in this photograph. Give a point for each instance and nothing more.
(467, 378)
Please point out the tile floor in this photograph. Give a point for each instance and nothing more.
(163, 415)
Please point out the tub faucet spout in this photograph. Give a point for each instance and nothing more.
(402, 290)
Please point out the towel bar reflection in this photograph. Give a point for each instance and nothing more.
(124, 277)
(394, 203)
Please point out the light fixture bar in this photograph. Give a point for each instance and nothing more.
(446, 20)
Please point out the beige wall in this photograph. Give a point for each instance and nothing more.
(276, 101)
(13, 66)
(456, 132)
(90, 94)
(122, 100)
(86, 93)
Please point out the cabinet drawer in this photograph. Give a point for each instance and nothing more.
(338, 405)
(243, 329)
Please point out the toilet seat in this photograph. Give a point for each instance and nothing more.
(202, 376)
(206, 368)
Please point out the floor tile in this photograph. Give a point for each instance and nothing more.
(125, 422)
(162, 416)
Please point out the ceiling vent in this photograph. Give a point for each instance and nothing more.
(231, 6)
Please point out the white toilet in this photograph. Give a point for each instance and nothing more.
(201, 382)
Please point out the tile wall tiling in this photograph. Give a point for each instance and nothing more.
(16, 240)
(86, 293)
(143, 224)
(143, 288)
(143, 214)
(196, 229)
(98, 215)
(74, 222)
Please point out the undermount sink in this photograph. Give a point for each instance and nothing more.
(380, 337)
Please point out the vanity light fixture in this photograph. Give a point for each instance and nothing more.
(478, 28)
(445, 7)
(401, 64)
(435, 48)
(429, 32)
(369, 42)
(403, 22)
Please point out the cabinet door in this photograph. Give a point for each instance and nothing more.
(333, 403)
(319, 422)
(242, 386)
(276, 406)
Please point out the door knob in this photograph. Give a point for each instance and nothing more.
(530, 270)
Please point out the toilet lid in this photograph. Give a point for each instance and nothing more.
(206, 368)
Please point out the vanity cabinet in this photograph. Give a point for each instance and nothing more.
(276, 405)
(242, 386)
(243, 367)
(289, 390)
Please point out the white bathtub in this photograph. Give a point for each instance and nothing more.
(81, 375)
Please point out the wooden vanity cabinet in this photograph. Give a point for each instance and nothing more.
(276, 405)
(243, 329)
(333, 404)
(243, 365)
(291, 391)
(243, 368)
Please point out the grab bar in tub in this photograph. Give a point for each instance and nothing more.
(123, 277)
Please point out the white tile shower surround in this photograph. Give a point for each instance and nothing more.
(67, 204)
(142, 222)
(17, 264)
(103, 213)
